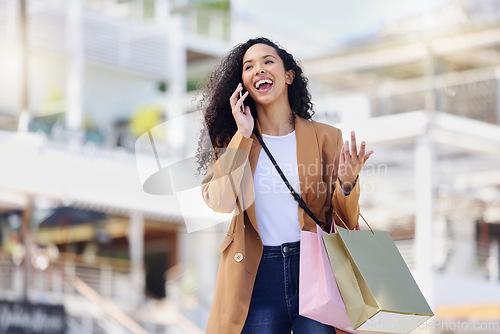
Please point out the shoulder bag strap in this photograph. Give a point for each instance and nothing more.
(295, 195)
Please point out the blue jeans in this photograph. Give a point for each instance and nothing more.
(274, 307)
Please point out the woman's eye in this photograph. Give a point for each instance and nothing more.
(269, 61)
(248, 67)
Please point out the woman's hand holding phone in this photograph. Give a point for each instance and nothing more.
(241, 114)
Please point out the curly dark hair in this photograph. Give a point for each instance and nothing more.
(220, 125)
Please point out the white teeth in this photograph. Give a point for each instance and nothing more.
(263, 81)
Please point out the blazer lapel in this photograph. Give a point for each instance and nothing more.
(308, 162)
(253, 159)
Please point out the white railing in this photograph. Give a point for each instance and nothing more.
(107, 39)
(87, 310)
(111, 278)
(472, 94)
(98, 298)
(123, 34)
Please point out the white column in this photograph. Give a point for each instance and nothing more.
(424, 216)
(136, 249)
(22, 47)
(441, 241)
(492, 263)
(461, 261)
(216, 26)
(177, 65)
(497, 76)
(207, 260)
(162, 10)
(76, 64)
(17, 289)
(137, 10)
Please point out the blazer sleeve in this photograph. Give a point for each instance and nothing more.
(223, 182)
(345, 206)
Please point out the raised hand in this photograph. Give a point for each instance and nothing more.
(244, 120)
(351, 162)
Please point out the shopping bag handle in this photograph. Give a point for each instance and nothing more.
(334, 228)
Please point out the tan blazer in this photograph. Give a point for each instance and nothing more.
(228, 186)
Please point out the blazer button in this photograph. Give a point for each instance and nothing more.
(238, 257)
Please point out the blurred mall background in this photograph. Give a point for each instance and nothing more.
(85, 250)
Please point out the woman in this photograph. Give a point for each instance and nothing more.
(257, 283)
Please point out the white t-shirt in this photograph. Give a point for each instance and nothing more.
(276, 210)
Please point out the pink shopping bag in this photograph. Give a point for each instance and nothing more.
(319, 296)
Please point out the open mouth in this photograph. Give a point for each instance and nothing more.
(263, 84)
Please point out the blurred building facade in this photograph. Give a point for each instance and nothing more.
(98, 74)
(423, 92)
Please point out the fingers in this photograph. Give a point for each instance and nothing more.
(243, 118)
(354, 149)
(350, 154)
(353, 152)
(342, 154)
(239, 104)
(350, 161)
(362, 150)
(367, 155)
(234, 97)
(235, 101)
(345, 151)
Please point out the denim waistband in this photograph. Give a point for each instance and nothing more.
(286, 249)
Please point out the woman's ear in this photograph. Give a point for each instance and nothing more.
(289, 76)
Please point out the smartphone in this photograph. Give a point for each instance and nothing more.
(242, 104)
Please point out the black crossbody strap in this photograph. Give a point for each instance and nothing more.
(295, 195)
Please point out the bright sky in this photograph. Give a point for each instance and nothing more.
(336, 20)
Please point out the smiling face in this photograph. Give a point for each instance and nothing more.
(264, 75)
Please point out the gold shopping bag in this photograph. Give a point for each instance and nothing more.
(375, 283)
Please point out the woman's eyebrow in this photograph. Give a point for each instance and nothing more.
(250, 60)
